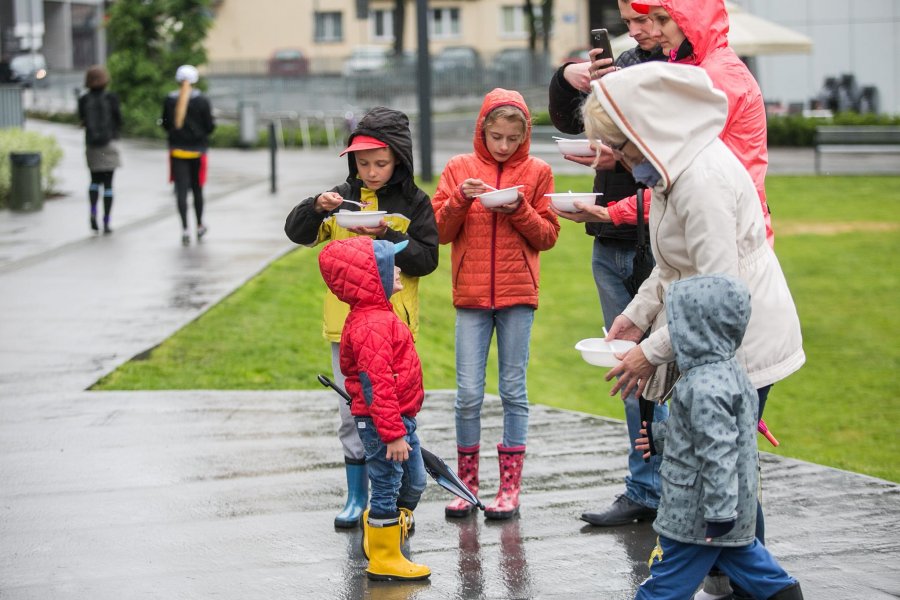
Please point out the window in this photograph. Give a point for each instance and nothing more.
(329, 27)
(514, 21)
(383, 25)
(443, 23)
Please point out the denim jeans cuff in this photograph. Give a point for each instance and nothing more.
(373, 516)
(642, 500)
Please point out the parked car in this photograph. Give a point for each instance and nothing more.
(576, 55)
(29, 69)
(457, 69)
(514, 67)
(288, 62)
(367, 60)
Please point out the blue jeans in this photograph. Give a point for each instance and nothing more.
(682, 568)
(642, 484)
(474, 330)
(611, 265)
(393, 483)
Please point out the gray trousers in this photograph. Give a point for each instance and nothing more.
(353, 448)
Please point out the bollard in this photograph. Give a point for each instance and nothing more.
(25, 193)
(273, 148)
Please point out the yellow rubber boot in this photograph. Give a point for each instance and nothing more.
(386, 562)
(407, 526)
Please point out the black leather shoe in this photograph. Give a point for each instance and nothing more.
(622, 512)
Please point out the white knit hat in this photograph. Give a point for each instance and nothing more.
(187, 73)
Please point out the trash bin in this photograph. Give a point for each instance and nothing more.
(25, 191)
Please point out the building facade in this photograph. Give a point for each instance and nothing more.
(68, 33)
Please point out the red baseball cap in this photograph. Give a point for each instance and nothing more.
(363, 142)
(644, 6)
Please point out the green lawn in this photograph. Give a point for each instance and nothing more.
(836, 238)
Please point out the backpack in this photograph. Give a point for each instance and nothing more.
(98, 121)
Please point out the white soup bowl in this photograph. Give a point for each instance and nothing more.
(575, 147)
(599, 352)
(500, 197)
(359, 218)
(565, 201)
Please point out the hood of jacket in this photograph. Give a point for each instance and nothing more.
(391, 127)
(707, 317)
(359, 271)
(671, 112)
(703, 22)
(493, 99)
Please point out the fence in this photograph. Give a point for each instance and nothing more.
(12, 111)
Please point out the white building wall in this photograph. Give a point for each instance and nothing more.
(861, 37)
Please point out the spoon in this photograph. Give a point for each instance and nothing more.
(359, 204)
(556, 137)
(605, 333)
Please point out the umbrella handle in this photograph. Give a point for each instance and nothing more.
(329, 383)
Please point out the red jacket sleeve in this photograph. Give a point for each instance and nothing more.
(624, 211)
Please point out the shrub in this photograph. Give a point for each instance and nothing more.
(18, 140)
(797, 130)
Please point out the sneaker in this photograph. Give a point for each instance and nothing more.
(106, 229)
(623, 511)
(201, 231)
(185, 238)
(94, 224)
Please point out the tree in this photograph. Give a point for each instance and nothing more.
(150, 39)
(399, 26)
(539, 25)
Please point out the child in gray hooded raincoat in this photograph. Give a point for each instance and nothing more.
(707, 513)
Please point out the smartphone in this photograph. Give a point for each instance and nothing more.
(600, 39)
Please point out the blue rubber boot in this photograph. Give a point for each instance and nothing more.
(357, 494)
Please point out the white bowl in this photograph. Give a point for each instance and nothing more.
(500, 197)
(575, 147)
(598, 352)
(359, 218)
(565, 201)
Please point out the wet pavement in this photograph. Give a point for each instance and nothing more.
(200, 494)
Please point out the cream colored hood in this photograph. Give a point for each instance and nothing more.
(669, 111)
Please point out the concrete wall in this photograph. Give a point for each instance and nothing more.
(849, 36)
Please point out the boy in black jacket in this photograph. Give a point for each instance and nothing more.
(380, 176)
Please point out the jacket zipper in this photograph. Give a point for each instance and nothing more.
(494, 243)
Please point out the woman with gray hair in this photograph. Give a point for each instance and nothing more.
(187, 117)
(663, 121)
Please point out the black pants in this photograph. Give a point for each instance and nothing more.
(186, 173)
(99, 178)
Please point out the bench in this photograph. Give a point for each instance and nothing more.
(835, 139)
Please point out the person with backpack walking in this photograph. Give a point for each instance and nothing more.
(187, 117)
(101, 118)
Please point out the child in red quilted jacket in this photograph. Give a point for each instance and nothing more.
(496, 270)
(384, 381)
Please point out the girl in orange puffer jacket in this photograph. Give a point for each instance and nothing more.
(496, 270)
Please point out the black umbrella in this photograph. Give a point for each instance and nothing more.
(329, 383)
(436, 467)
(647, 408)
(447, 479)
